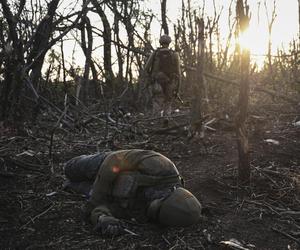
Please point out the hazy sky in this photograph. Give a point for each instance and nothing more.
(285, 27)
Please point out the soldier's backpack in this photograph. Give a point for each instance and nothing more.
(164, 58)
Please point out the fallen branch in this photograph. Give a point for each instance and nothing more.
(37, 216)
(259, 89)
(263, 205)
(265, 175)
(286, 235)
(26, 165)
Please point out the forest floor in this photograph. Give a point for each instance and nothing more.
(35, 213)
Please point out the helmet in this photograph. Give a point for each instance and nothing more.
(181, 208)
(165, 39)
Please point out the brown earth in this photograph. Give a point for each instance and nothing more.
(35, 212)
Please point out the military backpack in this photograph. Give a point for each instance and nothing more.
(164, 63)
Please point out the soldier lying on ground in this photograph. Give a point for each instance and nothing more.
(139, 184)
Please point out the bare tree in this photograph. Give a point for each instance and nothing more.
(164, 17)
(13, 61)
(299, 19)
(242, 14)
(212, 24)
(108, 72)
(29, 32)
(119, 50)
(198, 85)
(229, 37)
(88, 55)
(40, 42)
(270, 28)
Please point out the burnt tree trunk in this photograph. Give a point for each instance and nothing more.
(130, 32)
(40, 43)
(164, 17)
(198, 85)
(243, 18)
(13, 64)
(118, 40)
(88, 56)
(109, 75)
(63, 66)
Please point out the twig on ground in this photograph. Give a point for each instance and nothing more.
(265, 175)
(166, 240)
(263, 205)
(130, 232)
(26, 165)
(286, 235)
(37, 216)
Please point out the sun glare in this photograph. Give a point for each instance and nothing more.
(244, 40)
(255, 39)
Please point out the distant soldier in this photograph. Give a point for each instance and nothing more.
(139, 184)
(163, 69)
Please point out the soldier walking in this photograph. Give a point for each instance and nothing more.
(163, 70)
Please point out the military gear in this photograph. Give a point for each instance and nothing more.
(127, 182)
(165, 39)
(180, 208)
(139, 164)
(165, 62)
(163, 68)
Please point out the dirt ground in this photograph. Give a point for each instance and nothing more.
(35, 213)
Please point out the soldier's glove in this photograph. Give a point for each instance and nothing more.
(108, 225)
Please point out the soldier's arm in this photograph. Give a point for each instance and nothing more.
(148, 65)
(100, 211)
(99, 204)
(104, 222)
(98, 207)
(102, 187)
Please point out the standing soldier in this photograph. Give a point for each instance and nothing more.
(163, 69)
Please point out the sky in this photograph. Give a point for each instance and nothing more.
(285, 27)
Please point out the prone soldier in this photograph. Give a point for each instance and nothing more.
(140, 184)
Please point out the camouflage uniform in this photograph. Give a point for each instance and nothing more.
(127, 182)
(163, 86)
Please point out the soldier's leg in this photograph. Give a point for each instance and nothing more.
(157, 99)
(81, 172)
(168, 98)
(157, 106)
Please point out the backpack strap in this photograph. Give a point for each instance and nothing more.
(148, 180)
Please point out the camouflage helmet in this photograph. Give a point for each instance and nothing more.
(181, 208)
(165, 39)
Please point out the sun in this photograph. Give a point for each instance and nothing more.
(255, 39)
